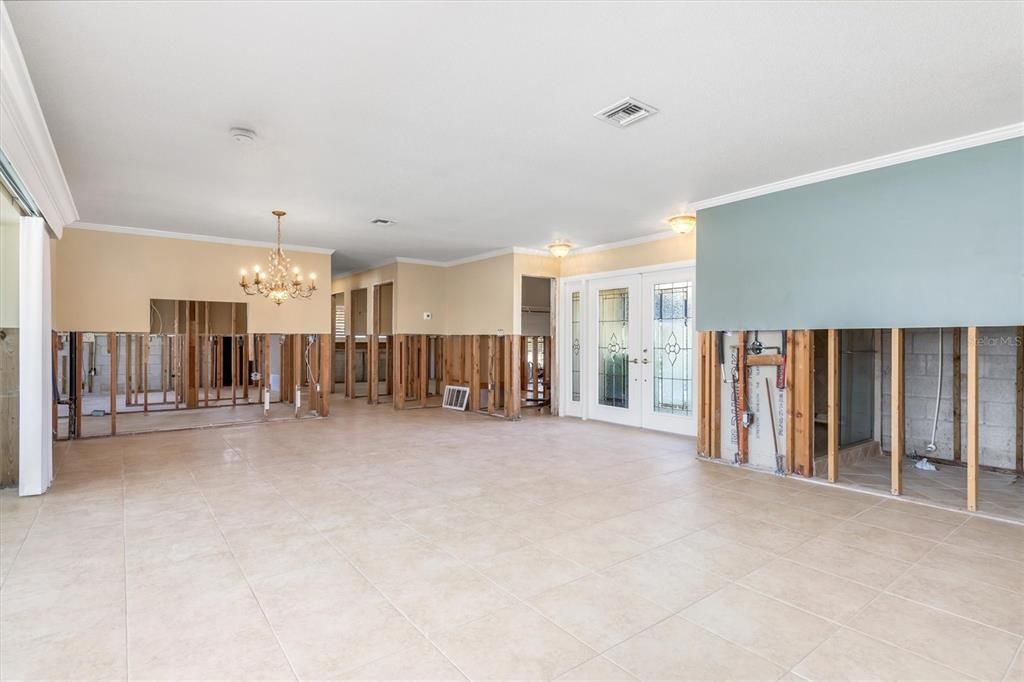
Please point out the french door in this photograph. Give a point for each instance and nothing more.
(631, 355)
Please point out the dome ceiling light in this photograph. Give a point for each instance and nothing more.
(683, 224)
(560, 249)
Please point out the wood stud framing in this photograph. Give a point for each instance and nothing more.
(972, 419)
(957, 396)
(833, 405)
(898, 421)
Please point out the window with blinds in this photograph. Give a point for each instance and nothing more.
(339, 322)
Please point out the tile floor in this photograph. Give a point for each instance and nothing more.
(433, 545)
(999, 494)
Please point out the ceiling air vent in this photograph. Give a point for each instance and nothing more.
(383, 221)
(626, 112)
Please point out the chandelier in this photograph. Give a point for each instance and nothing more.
(281, 281)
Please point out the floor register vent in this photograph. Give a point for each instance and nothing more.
(455, 398)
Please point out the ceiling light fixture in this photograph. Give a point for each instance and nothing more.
(243, 135)
(560, 249)
(683, 224)
(278, 284)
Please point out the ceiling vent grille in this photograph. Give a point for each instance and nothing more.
(626, 112)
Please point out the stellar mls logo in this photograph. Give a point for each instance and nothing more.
(992, 341)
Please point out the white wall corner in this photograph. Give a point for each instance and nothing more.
(26, 139)
(35, 392)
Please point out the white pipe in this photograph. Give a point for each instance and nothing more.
(938, 394)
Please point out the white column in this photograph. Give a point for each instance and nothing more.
(35, 384)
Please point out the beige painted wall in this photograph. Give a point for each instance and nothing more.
(485, 296)
(669, 250)
(106, 279)
(479, 297)
(421, 289)
(10, 221)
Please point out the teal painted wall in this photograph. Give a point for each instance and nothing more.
(929, 243)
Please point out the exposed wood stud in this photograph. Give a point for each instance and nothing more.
(972, 419)
(265, 371)
(424, 370)
(297, 373)
(474, 374)
(898, 428)
(350, 366)
(326, 371)
(790, 404)
(833, 405)
(112, 347)
(957, 396)
(803, 402)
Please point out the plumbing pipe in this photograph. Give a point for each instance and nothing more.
(938, 394)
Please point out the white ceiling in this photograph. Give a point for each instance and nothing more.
(471, 123)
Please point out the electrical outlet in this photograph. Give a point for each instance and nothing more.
(426, 316)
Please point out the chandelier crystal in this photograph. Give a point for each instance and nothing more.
(281, 281)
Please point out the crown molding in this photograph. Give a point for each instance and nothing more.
(26, 138)
(657, 236)
(163, 234)
(935, 149)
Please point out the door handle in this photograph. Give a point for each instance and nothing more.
(635, 361)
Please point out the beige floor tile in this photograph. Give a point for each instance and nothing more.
(202, 635)
(479, 541)
(676, 649)
(965, 597)
(899, 520)
(713, 552)
(665, 581)
(328, 642)
(987, 568)
(445, 601)
(528, 571)
(595, 548)
(1016, 670)
(766, 536)
(423, 661)
(981, 652)
(95, 654)
(598, 611)
(848, 562)
(774, 630)
(924, 511)
(991, 537)
(849, 655)
(598, 669)
(129, 548)
(823, 594)
(514, 643)
(316, 586)
(171, 549)
(650, 527)
(540, 524)
(879, 541)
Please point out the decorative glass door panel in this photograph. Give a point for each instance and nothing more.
(577, 346)
(673, 340)
(668, 351)
(614, 365)
(613, 347)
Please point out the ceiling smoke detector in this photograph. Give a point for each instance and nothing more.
(243, 135)
(383, 221)
(625, 112)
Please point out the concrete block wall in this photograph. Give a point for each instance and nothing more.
(997, 358)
